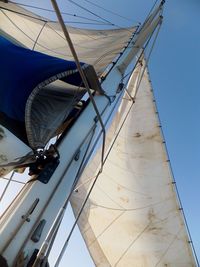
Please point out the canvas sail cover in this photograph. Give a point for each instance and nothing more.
(132, 217)
(26, 29)
(28, 95)
(94, 47)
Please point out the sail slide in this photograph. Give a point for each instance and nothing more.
(133, 217)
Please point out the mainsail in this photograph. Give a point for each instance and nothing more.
(132, 217)
(96, 47)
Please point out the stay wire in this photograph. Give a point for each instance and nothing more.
(96, 15)
(110, 11)
(152, 8)
(52, 11)
(7, 185)
(72, 190)
(13, 180)
(146, 45)
(89, 11)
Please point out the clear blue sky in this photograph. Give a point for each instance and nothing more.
(175, 72)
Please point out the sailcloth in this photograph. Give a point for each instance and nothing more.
(94, 47)
(132, 217)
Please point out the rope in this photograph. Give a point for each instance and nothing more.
(89, 11)
(109, 11)
(13, 180)
(94, 14)
(52, 234)
(40, 32)
(7, 185)
(152, 8)
(51, 11)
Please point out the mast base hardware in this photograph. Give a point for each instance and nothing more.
(120, 87)
(38, 231)
(41, 263)
(3, 262)
(48, 170)
(77, 156)
(33, 257)
(45, 165)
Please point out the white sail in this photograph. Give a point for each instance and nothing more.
(133, 217)
(95, 47)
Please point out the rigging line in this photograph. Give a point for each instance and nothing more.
(55, 227)
(133, 209)
(89, 11)
(139, 235)
(47, 202)
(107, 227)
(69, 236)
(25, 15)
(110, 198)
(13, 180)
(169, 246)
(143, 50)
(118, 58)
(7, 185)
(39, 35)
(52, 11)
(94, 14)
(42, 46)
(154, 4)
(131, 244)
(76, 30)
(86, 23)
(152, 8)
(113, 180)
(109, 11)
(155, 222)
(54, 21)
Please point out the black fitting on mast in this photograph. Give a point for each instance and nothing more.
(3, 262)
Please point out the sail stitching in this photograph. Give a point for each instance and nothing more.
(139, 235)
(169, 246)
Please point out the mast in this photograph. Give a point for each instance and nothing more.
(29, 224)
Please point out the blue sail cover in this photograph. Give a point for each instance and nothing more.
(21, 70)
